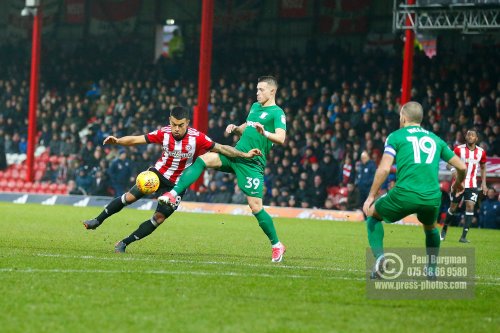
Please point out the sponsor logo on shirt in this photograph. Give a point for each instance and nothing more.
(177, 153)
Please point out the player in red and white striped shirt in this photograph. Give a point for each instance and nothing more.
(474, 158)
(181, 146)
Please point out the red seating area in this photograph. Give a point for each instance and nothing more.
(13, 179)
(336, 194)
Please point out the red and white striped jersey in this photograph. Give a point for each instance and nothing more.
(178, 155)
(473, 159)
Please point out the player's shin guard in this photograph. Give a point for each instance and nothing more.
(267, 225)
(190, 175)
(145, 229)
(112, 208)
(467, 223)
(375, 236)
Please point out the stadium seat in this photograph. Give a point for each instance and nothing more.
(44, 157)
(35, 188)
(44, 188)
(8, 173)
(11, 186)
(52, 188)
(27, 187)
(40, 166)
(333, 190)
(54, 159)
(62, 189)
(38, 174)
(343, 191)
(15, 174)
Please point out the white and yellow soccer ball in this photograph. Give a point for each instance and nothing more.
(147, 182)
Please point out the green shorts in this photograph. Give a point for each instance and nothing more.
(249, 174)
(394, 206)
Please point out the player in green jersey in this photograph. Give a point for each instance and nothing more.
(265, 126)
(416, 152)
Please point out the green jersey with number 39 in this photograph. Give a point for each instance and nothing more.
(271, 117)
(417, 153)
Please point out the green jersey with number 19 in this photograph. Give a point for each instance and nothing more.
(417, 153)
(271, 117)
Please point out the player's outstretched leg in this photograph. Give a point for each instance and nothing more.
(113, 207)
(167, 198)
(189, 176)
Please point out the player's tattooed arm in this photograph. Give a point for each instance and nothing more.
(233, 152)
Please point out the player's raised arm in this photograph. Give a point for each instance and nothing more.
(233, 152)
(129, 140)
(238, 130)
(277, 137)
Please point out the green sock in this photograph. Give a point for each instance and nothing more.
(432, 242)
(267, 225)
(375, 236)
(190, 175)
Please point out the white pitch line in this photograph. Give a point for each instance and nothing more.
(165, 272)
(479, 279)
(194, 273)
(181, 261)
(274, 266)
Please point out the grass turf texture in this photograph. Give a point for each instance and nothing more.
(212, 273)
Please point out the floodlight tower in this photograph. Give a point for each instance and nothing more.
(33, 8)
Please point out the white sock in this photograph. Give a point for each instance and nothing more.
(276, 245)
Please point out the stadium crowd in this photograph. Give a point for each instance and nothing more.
(340, 107)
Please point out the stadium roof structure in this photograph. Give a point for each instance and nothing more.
(464, 16)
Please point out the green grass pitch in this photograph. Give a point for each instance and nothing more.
(212, 273)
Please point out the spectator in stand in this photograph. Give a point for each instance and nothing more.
(347, 170)
(73, 189)
(119, 173)
(55, 145)
(238, 197)
(50, 173)
(489, 213)
(99, 185)
(329, 169)
(353, 201)
(87, 152)
(303, 193)
(84, 179)
(318, 192)
(63, 171)
(364, 176)
(3, 156)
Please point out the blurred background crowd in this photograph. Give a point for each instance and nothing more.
(340, 107)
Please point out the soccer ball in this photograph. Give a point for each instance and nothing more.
(147, 182)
